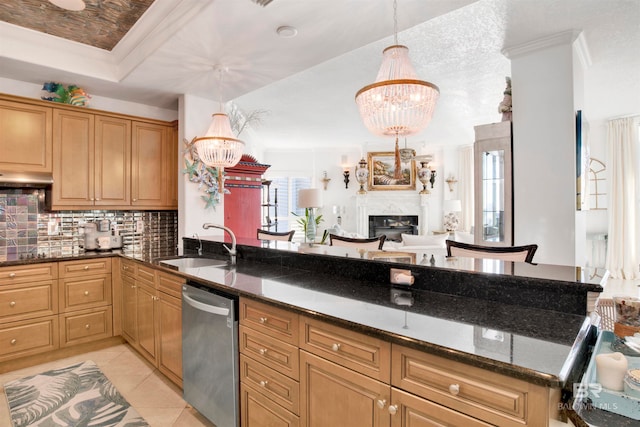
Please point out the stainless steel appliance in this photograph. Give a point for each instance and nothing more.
(210, 374)
(99, 236)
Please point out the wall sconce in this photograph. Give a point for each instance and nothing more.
(451, 181)
(325, 180)
(432, 179)
(346, 178)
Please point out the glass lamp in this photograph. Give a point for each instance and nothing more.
(451, 209)
(310, 198)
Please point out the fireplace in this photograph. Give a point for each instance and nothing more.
(392, 226)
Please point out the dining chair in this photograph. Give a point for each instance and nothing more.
(284, 236)
(371, 243)
(506, 253)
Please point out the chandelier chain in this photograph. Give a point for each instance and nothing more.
(395, 22)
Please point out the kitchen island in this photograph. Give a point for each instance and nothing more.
(520, 336)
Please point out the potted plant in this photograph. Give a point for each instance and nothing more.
(304, 222)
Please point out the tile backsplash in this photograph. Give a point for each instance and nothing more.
(27, 233)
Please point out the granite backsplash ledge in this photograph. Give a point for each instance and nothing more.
(547, 294)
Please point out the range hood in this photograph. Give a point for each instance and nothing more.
(25, 179)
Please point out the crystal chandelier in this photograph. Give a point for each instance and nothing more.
(219, 147)
(398, 103)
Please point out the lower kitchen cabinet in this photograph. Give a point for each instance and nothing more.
(85, 325)
(151, 316)
(259, 411)
(333, 395)
(28, 337)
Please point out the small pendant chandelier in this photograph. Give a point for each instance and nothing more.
(219, 147)
(398, 103)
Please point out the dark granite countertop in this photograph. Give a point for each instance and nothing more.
(539, 346)
(517, 339)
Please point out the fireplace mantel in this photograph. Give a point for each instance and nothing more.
(399, 203)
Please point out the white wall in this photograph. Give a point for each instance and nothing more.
(195, 117)
(544, 150)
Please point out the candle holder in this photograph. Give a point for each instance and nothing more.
(346, 178)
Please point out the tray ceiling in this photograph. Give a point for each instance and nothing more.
(102, 24)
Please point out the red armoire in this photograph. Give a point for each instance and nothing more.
(242, 205)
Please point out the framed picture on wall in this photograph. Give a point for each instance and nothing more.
(582, 162)
(388, 173)
(401, 257)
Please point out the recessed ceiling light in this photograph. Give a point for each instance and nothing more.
(73, 5)
(286, 31)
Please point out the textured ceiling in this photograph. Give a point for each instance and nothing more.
(307, 83)
(102, 24)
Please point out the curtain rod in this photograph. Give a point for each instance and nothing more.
(628, 116)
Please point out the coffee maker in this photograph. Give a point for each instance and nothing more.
(99, 236)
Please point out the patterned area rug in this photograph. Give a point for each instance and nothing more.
(78, 395)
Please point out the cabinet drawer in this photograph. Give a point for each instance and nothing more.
(170, 284)
(28, 300)
(275, 354)
(275, 386)
(414, 411)
(24, 338)
(84, 267)
(362, 353)
(146, 275)
(270, 320)
(256, 410)
(86, 325)
(128, 267)
(28, 273)
(491, 397)
(87, 292)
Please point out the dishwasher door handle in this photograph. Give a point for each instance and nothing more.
(205, 307)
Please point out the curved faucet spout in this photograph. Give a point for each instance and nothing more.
(232, 251)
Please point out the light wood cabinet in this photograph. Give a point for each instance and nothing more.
(269, 365)
(151, 316)
(28, 310)
(25, 139)
(333, 395)
(85, 289)
(91, 160)
(149, 165)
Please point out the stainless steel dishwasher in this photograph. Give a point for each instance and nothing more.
(210, 353)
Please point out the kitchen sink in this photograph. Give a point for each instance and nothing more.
(193, 262)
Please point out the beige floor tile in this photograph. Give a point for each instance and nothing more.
(126, 363)
(5, 419)
(160, 417)
(156, 392)
(127, 383)
(189, 417)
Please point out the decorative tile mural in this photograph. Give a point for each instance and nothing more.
(27, 233)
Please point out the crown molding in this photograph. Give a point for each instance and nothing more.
(563, 38)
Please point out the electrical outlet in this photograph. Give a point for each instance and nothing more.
(52, 226)
(139, 226)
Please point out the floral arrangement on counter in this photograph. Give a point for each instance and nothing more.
(71, 94)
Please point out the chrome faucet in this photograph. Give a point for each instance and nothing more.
(195, 235)
(232, 251)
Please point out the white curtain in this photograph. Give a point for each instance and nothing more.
(465, 186)
(623, 151)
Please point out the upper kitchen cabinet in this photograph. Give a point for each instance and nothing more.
(25, 137)
(91, 160)
(153, 166)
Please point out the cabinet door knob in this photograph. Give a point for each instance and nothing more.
(86, 293)
(13, 341)
(381, 403)
(393, 409)
(264, 383)
(263, 351)
(263, 320)
(454, 389)
(12, 275)
(135, 200)
(125, 267)
(12, 304)
(86, 267)
(335, 347)
(87, 326)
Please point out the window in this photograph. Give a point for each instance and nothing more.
(284, 193)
